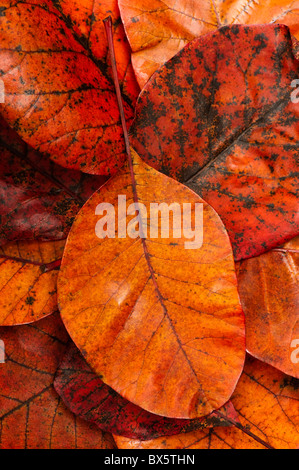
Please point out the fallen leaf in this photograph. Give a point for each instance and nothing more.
(28, 280)
(269, 293)
(161, 324)
(38, 199)
(219, 118)
(267, 403)
(157, 30)
(86, 395)
(86, 18)
(32, 415)
(59, 96)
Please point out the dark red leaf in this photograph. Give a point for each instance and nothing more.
(38, 199)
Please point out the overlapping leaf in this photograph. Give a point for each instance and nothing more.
(219, 117)
(86, 395)
(28, 280)
(32, 415)
(269, 293)
(160, 323)
(267, 403)
(38, 199)
(86, 18)
(58, 93)
(157, 30)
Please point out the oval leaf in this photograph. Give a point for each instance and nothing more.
(219, 117)
(161, 324)
(59, 96)
(269, 293)
(157, 30)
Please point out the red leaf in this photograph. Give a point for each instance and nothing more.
(219, 117)
(32, 415)
(38, 199)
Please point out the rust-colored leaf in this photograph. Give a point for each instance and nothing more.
(32, 415)
(28, 280)
(269, 292)
(86, 395)
(38, 199)
(161, 324)
(219, 117)
(59, 94)
(267, 403)
(86, 17)
(157, 30)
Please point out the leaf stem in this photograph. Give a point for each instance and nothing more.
(243, 429)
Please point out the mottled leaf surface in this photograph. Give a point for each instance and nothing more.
(267, 403)
(38, 199)
(157, 30)
(219, 118)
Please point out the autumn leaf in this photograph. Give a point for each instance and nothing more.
(38, 199)
(86, 19)
(268, 288)
(32, 415)
(219, 118)
(157, 30)
(86, 395)
(267, 403)
(59, 94)
(28, 280)
(161, 324)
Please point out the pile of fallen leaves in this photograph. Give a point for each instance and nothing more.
(138, 342)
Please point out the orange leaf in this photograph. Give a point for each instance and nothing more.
(268, 288)
(32, 415)
(157, 30)
(160, 324)
(59, 95)
(267, 402)
(87, 18)
(28, 280)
